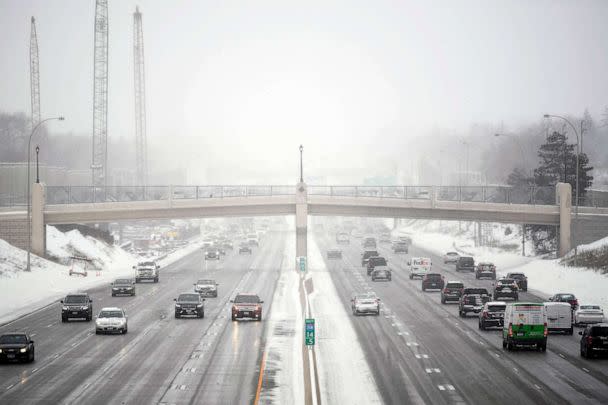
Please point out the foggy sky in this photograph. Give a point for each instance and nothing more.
(262, 76)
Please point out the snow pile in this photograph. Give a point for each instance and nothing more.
(597, 245)
(64, 245)
(13, 262)
(593, 255)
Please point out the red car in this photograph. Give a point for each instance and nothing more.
(246, 305)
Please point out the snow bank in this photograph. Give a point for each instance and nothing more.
(545, 277)
(344, 375)
(23, 292)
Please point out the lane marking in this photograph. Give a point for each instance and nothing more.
(561, 355)
(451, 387)
(441, 387)
(10, 386)
(260, 379)
(584, 369)
(537, 387)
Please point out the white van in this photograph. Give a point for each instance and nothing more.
(419, 266)
(559, 317)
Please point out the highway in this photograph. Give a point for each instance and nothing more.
(422, 351)
(418, 350)
(161, 359)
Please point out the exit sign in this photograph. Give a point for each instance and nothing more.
(309, 332)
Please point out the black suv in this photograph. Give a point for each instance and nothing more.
(485, 269)
(472, 300)
(506, 287)
(189, 304)
(492, 314)
(77, 306)
(432, 281)
(366, 255)
(16, 346)
(452, 291)
(465, 263)
(123, 286)
(520, 279)
(374, 261)
(594, 340)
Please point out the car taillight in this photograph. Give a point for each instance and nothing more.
(510, 333)
(446, 290)
(589, 340)
(575, 302)
(485, 314)
(546, 331)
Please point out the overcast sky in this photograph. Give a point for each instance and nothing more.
(266, 75)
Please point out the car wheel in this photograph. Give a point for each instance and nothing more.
(443, 301)
(156, 279)
(97, 332)
(203, 314)
(477, 276)
(461, 314)
(509, 346)
(177, 315)
(482, 325)
(423, 288)
(571, 331)
(64, 319)
(411, 276)
(113, 295)
(137, 280)
(504, 344)
(260, 317)
(233, 318)
(543, 347)
(124, 331)
(583, 353)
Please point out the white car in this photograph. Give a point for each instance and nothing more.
(450, 257)
(365, 304)
(111, 320)
(586, 314)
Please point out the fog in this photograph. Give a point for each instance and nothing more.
(368, 87)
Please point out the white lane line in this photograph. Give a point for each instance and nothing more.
(536, 386)
(561, 355)
(10, 386)
(425, 356)
(584, 369)
(418, 356)
(48, 326)
(437, 370)
(428, 370)
(34, 370)
(441, 387)
(33, 334)
(496, 354)
(412, 344)
(450, 387)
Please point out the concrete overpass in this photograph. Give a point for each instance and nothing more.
(301, 201)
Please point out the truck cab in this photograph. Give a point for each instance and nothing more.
(147, 270)
(419, 267)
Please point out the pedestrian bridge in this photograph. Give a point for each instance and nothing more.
(75, 204)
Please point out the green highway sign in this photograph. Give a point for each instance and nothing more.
(302, 263)
(309, 332)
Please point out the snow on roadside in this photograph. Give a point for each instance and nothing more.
(23, 292)
(284, 366)
(545, 277)
(344, 375)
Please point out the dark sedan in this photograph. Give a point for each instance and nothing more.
(16, 347)
(123, 286)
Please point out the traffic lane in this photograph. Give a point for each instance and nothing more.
(397, 372)
(565, 346)
(450, 356)
(142, 373)
(151, 304)
(51, 335)
(581, 384)
(225, 366)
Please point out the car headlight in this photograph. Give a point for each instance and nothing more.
(64, 308)
(199, 305)
(178, 306)
(23, 350)
(84, 307)
(0, 350)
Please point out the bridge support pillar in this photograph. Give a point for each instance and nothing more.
(563, 196)
(38, 228)
(301, 219)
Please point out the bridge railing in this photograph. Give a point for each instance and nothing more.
(498, 194)
(91, 194)
(402, 192)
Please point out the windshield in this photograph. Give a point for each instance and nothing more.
(566, 297)
(249, 299)
(496, 308)
(590, 307)
(486, 266)
(454, 285)
(75, 299)
(147, 264)
(123, 281)
(110, 314)
(378, 261)
(13, 339)
(599, 331)
(467, 260)
(188, 297)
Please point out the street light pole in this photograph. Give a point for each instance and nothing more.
(29, 202)
(37, 165)
(301, 165)
(578, 149)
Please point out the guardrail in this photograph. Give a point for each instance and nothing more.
(91, 194)
(491, 194)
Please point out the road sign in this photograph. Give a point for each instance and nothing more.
(302, 263)
(309, 332)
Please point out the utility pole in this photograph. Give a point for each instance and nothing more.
(141, 153)
(301, 165)
(99, 165)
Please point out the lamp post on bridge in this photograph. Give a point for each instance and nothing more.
(29, 202)
(301, 165)
(37, 165)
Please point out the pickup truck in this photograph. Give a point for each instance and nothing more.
(146, 271)
(472, 300)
